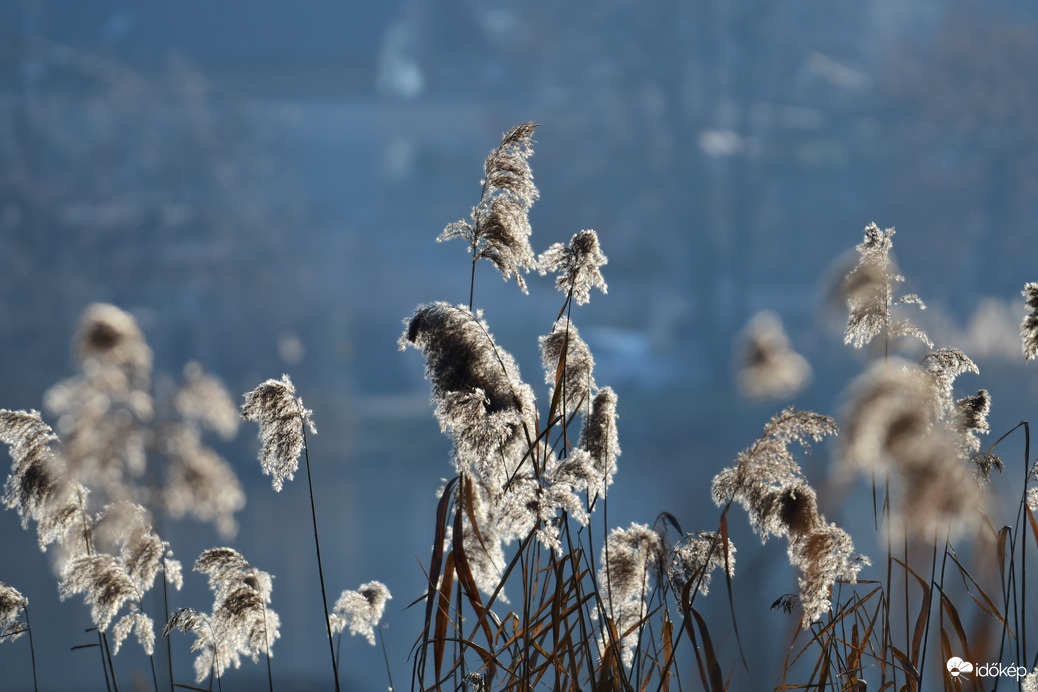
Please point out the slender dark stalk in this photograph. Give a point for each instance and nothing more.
(385, 655)
(32, 649)
(266, 647)
(320, 569)
(472, 281)
(108, 656)
(165, 609)
(1023, 544)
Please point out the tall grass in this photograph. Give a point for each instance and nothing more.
(528, 585)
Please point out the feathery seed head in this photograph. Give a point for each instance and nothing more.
(694, 558)
(623, 578)
(480, 397)
(109, 336)
(204, 399)
(870, 294)
(565, 346)
(360, 610)
(769, 367)
(199, 482)
(12, 602)
(281, 417)
(500, 227)
(599, 438)
(1029, 327)
(576, 266)
(897, 420)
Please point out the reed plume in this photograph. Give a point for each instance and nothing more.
(500, 226)
(281, 417)
(40, 488)
(898, 420)
(110, 581)
(576, 266)
(360, 610)
(101, 411)
(240, 623)
(623, 580)
(481, 400)
(1029, 327)
(869, 289)
(564, 347)
(600, 439)
(769, 368)
(12, 602)
(769, 484)
(694, 559)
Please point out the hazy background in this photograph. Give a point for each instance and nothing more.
(261, 184)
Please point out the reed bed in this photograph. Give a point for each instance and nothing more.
(528, 585)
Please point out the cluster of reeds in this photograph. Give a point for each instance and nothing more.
(127, 460)
(525, 588)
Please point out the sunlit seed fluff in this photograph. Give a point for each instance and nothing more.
(576, 266)
(104, 583)
(894, 422)
(281, 417)
(240, 623)
(943, 366)
(599, 438)
(565, 346)
(869, 291)
(694, 559)
(623, 578)
(36, 472)
(12, 603)
(481, 400)
(769, 368)
(500, 226)
(360, 610)
(769, 462)
(109, 336)
(204, 400)
(1030, 682)
(1029, 327)
(125, 529)
(824, 554)
(969, 418)
(199, 482)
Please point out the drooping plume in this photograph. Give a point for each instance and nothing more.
(869, 289)
(240, 623)
(576, 266)
(281, 417)
(769, 484)
(500, 227)
(110, 581)
(39, 486)
(360, 610)
(769, 368)
(481, 400)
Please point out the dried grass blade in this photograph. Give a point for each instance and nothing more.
(443, 612)
(713, 667)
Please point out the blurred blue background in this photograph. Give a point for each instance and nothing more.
(261, 184)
